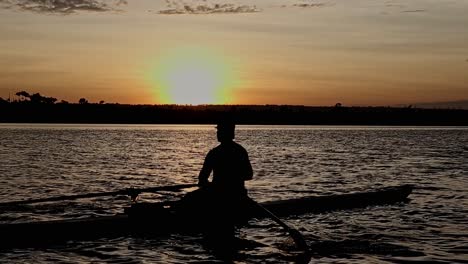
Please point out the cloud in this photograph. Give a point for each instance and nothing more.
(395, 5)
(414, 11)
(176, 7)
(305, 5)
(404, 8)
(62, 6)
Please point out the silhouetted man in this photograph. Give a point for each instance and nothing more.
(229, 163)
(224, 200)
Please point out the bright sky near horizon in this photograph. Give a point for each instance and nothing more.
(301, 52)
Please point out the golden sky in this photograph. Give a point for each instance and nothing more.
(357, 52)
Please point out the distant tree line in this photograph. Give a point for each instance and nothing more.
(37, 98)
(36, 108)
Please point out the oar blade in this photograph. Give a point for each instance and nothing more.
(298, 239)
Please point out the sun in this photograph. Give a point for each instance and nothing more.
(194, 76)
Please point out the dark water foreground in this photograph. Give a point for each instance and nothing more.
(47, 160)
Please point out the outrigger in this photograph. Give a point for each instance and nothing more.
(161, 218)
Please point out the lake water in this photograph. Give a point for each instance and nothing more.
(39, 161)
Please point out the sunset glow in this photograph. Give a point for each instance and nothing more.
(291, 52)
(193, 76)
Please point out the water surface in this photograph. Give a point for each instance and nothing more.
(43, 160)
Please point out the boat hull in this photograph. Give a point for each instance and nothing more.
(159, 219)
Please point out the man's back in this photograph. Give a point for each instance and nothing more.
(230, 165)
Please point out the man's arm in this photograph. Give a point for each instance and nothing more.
(205, 171)
(248, 168)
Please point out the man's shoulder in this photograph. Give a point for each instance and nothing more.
(216, 150)
(239, 146)
(232, 145)
(239, 149)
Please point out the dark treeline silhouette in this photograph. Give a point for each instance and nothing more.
(39, 109)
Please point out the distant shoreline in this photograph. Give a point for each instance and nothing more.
(26, 112)
(210, 126)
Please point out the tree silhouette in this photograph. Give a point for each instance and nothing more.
(83, 101)
(50, 100)
(23, 95)
(37, 98)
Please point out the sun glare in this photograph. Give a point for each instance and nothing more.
(193, 76)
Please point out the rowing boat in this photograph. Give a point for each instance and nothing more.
(159, 218)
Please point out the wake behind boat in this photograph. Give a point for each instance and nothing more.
(149, 219)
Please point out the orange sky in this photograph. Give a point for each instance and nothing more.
(360, 52)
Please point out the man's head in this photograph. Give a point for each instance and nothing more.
(225, 131)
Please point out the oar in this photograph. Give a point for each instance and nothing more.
(128, 191)
(294, 233)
